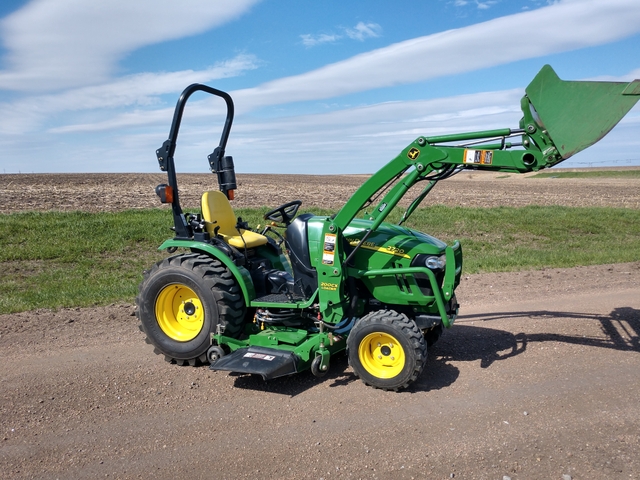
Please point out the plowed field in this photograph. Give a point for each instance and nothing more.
(112, 192)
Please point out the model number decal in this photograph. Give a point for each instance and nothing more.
(375, 247)
(329, 286)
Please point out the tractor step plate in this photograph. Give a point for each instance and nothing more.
(267, 362)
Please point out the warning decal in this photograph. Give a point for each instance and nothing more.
(259, 356)
(478, 157)
(329, 248)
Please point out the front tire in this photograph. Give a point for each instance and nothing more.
(386, 350)
(181, 301)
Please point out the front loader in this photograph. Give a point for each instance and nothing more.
(286, 298)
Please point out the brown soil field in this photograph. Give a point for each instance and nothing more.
(538, 379)
(113, 192)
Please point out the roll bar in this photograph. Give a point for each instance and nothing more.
(218, 162)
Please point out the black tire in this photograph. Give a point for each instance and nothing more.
(181, 300)
(215, 353)
(315, 367)
(386, 350)
(433, 334)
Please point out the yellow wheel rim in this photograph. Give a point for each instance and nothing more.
(179, 312)
(381, 355)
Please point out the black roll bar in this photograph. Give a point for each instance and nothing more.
(166, 152)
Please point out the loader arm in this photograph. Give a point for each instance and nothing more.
(560, 118)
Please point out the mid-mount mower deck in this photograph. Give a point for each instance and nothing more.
(285, 299)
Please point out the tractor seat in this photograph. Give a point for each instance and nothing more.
(217, 212)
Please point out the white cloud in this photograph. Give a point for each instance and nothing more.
(363, 139)
(362, 31)
(309, 40)
(561, 27)
(56, 44)
(479, 4)
(485, 5)
(134, 90)
(285, 143)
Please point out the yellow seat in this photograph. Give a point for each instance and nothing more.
(217, 212)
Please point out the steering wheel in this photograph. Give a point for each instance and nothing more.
(284, 213)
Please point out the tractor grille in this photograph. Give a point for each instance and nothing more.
(425, 285)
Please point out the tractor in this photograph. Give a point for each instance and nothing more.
(287, 297)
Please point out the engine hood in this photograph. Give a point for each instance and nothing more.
(393, 239)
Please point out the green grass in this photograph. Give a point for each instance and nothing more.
(52, 260)
(508, 239)
(591, 174)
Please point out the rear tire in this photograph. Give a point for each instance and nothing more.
(386, 350)
(181, 301)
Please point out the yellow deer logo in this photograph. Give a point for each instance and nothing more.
(413, 153)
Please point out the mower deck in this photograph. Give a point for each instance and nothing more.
(267, 362)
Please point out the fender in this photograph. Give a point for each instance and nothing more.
(241, 274)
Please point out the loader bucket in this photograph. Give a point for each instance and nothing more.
(576, 114)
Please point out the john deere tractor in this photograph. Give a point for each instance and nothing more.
(286, 298)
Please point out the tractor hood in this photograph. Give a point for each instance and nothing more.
(392, 239)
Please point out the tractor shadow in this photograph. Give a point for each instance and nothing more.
(620, 330)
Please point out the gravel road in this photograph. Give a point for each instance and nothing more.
(538, 379)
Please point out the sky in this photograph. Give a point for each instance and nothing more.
(319, 87)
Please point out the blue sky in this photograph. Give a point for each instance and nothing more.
(320, 87)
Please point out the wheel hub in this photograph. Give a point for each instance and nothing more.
(189, 308)
(179, 312)
(381, 355)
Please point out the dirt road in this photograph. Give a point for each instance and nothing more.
(538, 379)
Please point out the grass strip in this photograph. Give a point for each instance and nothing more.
(59, 259)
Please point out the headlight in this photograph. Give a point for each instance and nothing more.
(436, 263)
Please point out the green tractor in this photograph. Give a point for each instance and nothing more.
(286, 298)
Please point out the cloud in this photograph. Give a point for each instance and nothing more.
(143, 88)
(485, 5)
(133, 114)
(360, 32)
(140, 90)
(309, 40)
(57, 44)
(480, 5)
(363, 139)
(561, 27)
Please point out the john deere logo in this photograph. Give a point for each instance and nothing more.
(413, 153)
